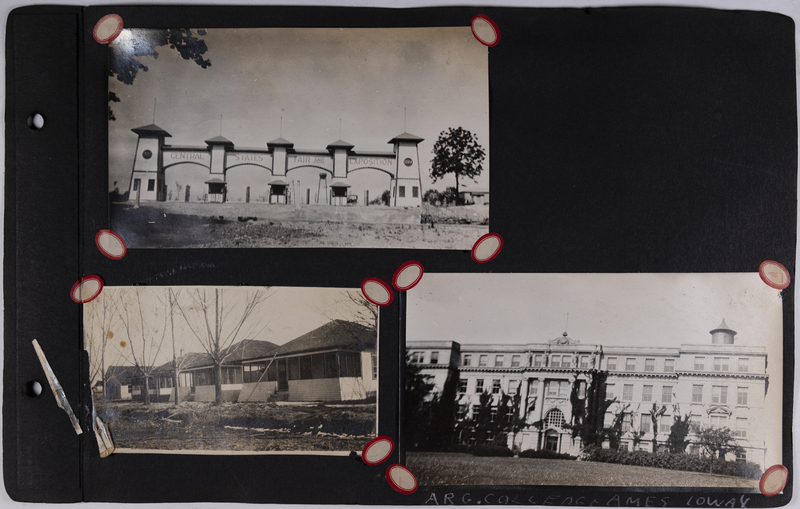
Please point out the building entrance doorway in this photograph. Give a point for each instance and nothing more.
(283, 382)
(551, 441)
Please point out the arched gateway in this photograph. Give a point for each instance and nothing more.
(220, 172)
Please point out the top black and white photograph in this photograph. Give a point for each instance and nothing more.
(299, 137)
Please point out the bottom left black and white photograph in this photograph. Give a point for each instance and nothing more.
(234, 370)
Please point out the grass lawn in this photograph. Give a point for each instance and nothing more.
(458, 469)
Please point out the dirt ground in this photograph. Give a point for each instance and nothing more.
(168, 226)
(240, 427)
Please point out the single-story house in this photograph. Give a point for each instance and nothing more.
(476, 196)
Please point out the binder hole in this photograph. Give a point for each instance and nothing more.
(35, 121)
(33, 388)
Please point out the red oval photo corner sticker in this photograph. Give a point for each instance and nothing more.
(377, 292)
(377, 450)
(108, 28)
(401, 479)
(487, 247)
(774, 274)
(86, 289)
(407, 276)
(485, 30)
(774, 480)
(110, 244)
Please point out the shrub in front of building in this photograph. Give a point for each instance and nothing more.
(491, 450)
(551, 455)
(673, 461)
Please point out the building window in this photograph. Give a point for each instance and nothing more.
(513, 387)
(509, 414)
(492, 414)
(719, 394)
(647, 393)
(417, 357)
(475, 409)
(626, 423)
(374, 357)
(402, 192)
(669, 365)
(699, 363)
(741, 456)
(581, 390)
(555, 418)
(563, 389)
(721, 363)
(552, 389)
(623, 446)
(630, 364)
(462, 412)
(627, 392)
(482, 360)
(151, 185)
(741, 396)
(479, 386)
(649, 364)
(609, 391)
(566, 361)
(741, 427)
(717, 421)
(644, 423)
(434, 357)
(666, 394)
(694, 423)
(495, 386)
(555, 361)
(612, 363)
(537, 361)
(515, 361)
(498, 361)
(665, 424)
(697, 394)
(467, 360)
(414, 191)
(744, 364)
(136, 184)
(533, 388)
(462, 386)
(584, 361)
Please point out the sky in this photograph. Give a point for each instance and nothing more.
(298, 83)
(285, 314)
(608, 309)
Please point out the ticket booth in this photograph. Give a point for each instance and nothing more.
(339, 193)
(216, 191)
(277, 192)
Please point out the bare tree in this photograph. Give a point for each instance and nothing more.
(129, 309)
(102, 319)
(219, 326)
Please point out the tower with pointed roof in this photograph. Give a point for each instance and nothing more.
(722, 335)
(147, 177)
(407, 191)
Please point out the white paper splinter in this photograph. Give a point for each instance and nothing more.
(55, 386)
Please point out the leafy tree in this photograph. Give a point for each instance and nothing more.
(676, 441)
(588, 414)
(717, 441)
(417, 389)
(614, 432)
(443, 412)
(457, 151)
(482, 419)
(655, 414)
(142, 42)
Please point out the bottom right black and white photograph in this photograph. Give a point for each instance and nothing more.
(629, 380)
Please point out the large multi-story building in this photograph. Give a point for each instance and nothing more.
(718, 383)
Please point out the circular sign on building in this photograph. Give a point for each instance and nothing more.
(408, 161)
(147, 154)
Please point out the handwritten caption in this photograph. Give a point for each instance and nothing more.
(626, 500)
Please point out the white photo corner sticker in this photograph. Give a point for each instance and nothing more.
(55, 386)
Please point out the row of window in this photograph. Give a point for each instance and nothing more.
(496, 387)
(401, 191)
(151, 184)
(665, 423)
(305, 367)
(719, 393)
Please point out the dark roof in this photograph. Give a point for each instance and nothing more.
(280, 142)
(121, 374)
(150, 131)
(219, 140)
(194, 360)
(340, 144)
(247, 349)
(336, 334)
(406, 137)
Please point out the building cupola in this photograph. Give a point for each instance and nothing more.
(722, 335)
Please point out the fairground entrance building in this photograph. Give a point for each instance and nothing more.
(220, 172)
